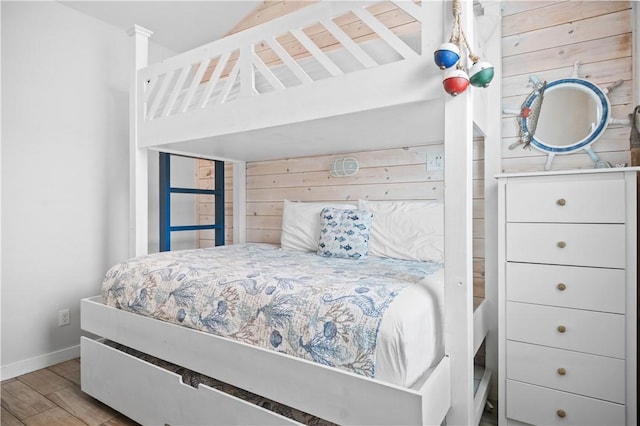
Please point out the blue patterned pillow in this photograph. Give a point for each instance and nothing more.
(344, 233)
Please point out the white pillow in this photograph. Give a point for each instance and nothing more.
(301, 224)
(409, 230)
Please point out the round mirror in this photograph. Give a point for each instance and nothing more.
(573, 114)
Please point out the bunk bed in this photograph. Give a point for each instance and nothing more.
(223, 101)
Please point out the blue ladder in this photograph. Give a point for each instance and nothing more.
(165, 203)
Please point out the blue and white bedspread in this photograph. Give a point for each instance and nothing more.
(326, 310)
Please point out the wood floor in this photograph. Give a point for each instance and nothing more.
(52, 396)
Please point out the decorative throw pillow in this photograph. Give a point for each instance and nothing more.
(301, 224)
(344, 233)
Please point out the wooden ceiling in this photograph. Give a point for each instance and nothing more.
(267, 11)
(387, 13)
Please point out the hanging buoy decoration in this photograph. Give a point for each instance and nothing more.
(455, 81)
(481, 74)
(446, 56)
(449, 55)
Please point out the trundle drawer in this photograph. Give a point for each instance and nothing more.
(601, 245)
(585, 331)
(584, 374)
(152, 395)
(596, 289)
(542, 406)
(581, 201)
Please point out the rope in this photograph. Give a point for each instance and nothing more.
(457, 33)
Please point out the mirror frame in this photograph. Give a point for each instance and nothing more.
(590, 89)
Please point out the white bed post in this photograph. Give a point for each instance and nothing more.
(635, 25)
(247, 76)
(492, 166)
(239, 202)
(458, 194)
(138, 166)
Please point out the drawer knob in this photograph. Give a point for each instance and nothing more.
(562, 202)
(561, 413)
(562, 371)
(562, 328)
(562, 287)
(562, 244)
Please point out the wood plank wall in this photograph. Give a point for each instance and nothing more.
(394, 174)
(545, 38)
(205, 204)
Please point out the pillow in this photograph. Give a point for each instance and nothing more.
(409, 230)
(301, 224)
(344, 233)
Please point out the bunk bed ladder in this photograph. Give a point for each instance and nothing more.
(165, 203)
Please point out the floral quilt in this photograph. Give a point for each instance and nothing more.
(322, 309)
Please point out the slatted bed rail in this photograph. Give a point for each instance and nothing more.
(317, 42)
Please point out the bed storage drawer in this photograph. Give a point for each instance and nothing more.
(595, 289)
(581, 201)
(601, 245)
(151, 395)
(585, 331)
(584, 374)
(541, 406)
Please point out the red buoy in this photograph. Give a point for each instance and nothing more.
(455, 81)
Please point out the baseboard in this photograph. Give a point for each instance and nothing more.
(36, 363)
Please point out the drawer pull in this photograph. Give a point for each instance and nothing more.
(562, 328)
(562, 202)
(562, 244)
(562, 287)
(561, 413)
(562, 371)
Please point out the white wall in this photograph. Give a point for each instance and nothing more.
(64, 173)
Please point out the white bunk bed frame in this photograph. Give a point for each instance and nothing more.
(151, 395)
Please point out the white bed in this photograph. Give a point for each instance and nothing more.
(409, 330)
(340, 113)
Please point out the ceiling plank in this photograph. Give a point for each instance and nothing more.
(266, 11)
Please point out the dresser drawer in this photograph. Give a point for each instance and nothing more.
(596, 289)
(542, 406)
(566, 200)
(576, 372)
(585, 331)
(601, 245)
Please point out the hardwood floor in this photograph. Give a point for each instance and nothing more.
(52, 396)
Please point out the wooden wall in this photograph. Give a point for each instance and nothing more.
(545, 38)
(394, 174)
(205, 204)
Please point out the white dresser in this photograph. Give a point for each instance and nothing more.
(568, 297)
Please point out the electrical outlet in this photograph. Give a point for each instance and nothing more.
(63, 317)
(435, 159)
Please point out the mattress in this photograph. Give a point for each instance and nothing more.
(376, 317)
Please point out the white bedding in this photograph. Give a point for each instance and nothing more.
(410, 338)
